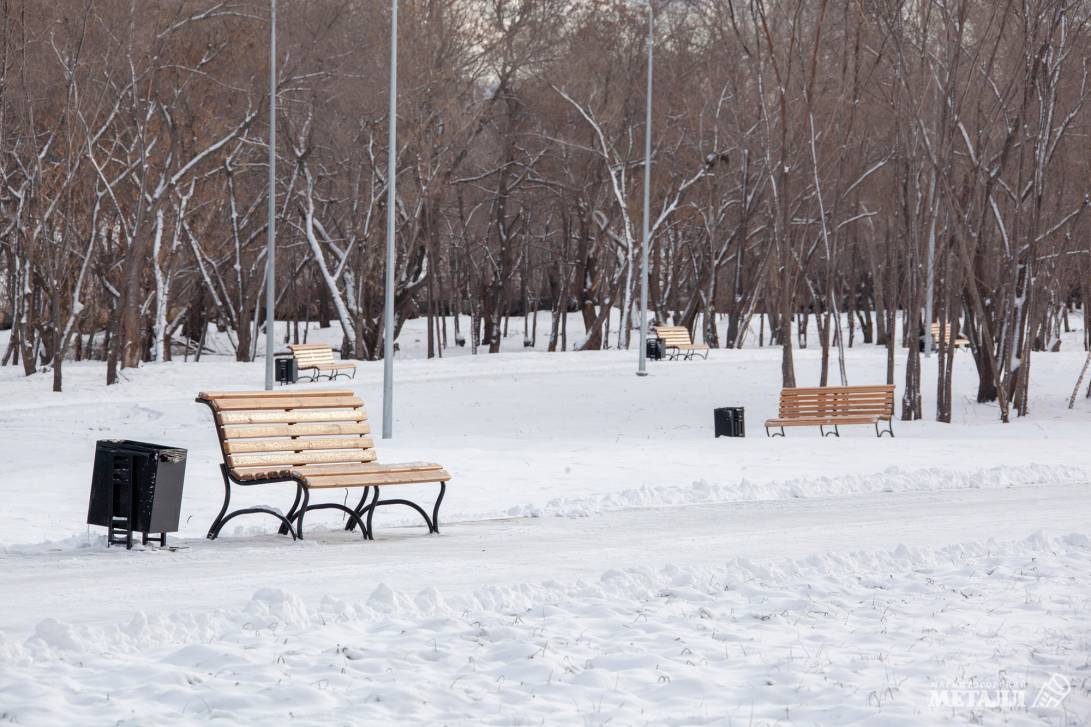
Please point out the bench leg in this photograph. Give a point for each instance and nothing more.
(354, 518)
(301, 512)
(889, 428)
(431, 522)
(435, 510)
(294, 509)
(775, 434)
(834, 433)
(223, 518)
(217, 523)
(359, 509)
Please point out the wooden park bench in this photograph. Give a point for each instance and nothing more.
(833, 406)
(676, 339)
(319, 440)
(951, 340)
(318, 358)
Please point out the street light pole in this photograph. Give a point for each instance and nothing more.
(642, 366)
(391, 198)
(270, 252)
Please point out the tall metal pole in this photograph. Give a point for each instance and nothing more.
(270, 253)
(391, 198)
(642, 367)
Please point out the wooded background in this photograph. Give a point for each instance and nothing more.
(806, 155)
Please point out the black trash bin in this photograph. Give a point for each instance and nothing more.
(136, 487)
(654, 349)
(286, 369)
(730, 421)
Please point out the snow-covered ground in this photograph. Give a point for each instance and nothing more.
(603, 559)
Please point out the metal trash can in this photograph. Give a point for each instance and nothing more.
(654, 349)
(730, 421)
(136, 487)
(286, 369)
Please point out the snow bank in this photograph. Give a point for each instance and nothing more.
(837, 639)
(892, 479)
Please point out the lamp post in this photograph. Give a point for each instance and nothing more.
(643, 355)
(270, 252)
(391, 198)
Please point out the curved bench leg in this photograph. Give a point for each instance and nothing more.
(359, 509)
(371, 512)
(223, 517)
(435, 509)
(353, 516)
(431, 522)
(292, 511)
(409, 503)
(889, 428)
(214, 530)
(302, 511)
(255, 511)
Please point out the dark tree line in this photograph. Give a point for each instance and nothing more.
(813, 160)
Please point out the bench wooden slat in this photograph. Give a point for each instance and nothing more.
(245, 431)
(295, 416)
(815, 421)
(831, 402)
(292, 458)
(836, 390)
(283, 394)
(330, 365)
(833, 410)
(344, 468)
(244, 446)
(389, 478)
(300, 401)
(805, 400)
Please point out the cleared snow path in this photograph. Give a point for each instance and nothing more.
(91, 585)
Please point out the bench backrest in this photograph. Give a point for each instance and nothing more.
(936, 332)
(673, 335)
(309, 354)
(827, 401)
(265, 431)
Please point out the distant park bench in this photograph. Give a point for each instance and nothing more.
(319, 440)
(833, 406)
(951, 340)
(318, 357)
(676, 338)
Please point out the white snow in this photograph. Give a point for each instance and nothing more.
(603, 559)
